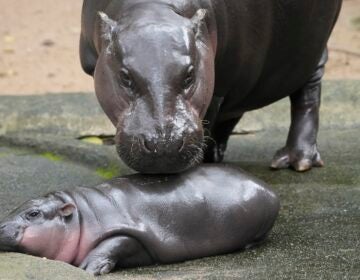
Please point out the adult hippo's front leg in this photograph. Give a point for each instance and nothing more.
(216, 141)
(301, 152)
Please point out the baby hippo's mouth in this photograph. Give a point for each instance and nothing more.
(9, 235)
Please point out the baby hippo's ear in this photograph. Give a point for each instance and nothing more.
(67, 209)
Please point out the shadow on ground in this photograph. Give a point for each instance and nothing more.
(317, 235)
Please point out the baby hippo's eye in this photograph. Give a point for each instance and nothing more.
(33, 214)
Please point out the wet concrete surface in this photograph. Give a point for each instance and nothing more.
(317, 234)
(18, 267)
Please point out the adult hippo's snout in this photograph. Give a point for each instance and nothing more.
(172, 149)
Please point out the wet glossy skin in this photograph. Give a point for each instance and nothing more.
(142, 220)
(162, 67)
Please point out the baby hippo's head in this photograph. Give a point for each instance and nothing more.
(44, 227)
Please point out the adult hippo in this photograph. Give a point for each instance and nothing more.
(163, 69)
(141, 219)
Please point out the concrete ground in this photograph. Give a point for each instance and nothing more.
(51, 143)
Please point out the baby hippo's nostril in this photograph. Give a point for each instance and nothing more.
(2, 231)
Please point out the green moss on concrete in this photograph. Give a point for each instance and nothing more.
(3, 155)
(93, 140)
(356, 22)
(51, 156)
(109, 172)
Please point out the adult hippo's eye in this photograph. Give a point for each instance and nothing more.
(190, 77)
(33, 214)
(125, 79)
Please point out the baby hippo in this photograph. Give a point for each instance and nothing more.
(141, 220)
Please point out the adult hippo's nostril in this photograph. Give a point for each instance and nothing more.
(163, 146)
(149, 145)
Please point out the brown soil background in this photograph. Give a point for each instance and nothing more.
(39, 46)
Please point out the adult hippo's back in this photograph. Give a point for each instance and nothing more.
(164, 69)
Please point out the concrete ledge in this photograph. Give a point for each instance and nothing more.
(75, 115)
(20, 267)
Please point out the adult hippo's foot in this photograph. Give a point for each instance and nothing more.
(301, 151)
(297, 158)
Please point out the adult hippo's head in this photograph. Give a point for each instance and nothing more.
(154, 78)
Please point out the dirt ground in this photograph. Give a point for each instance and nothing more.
(39, 46)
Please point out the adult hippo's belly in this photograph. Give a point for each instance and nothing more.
(166, 71)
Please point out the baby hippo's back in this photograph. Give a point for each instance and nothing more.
(209, 210)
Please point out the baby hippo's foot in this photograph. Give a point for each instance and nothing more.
(98, 265)
(111, 252)
(300, 159)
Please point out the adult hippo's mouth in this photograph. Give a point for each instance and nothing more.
(154, 156)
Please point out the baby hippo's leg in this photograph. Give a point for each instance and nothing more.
(115, 251)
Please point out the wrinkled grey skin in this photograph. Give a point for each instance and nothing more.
(162, 68)
(142, 220)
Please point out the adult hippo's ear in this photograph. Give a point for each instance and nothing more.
(105, 29)
(67, 209)
(198, 21)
